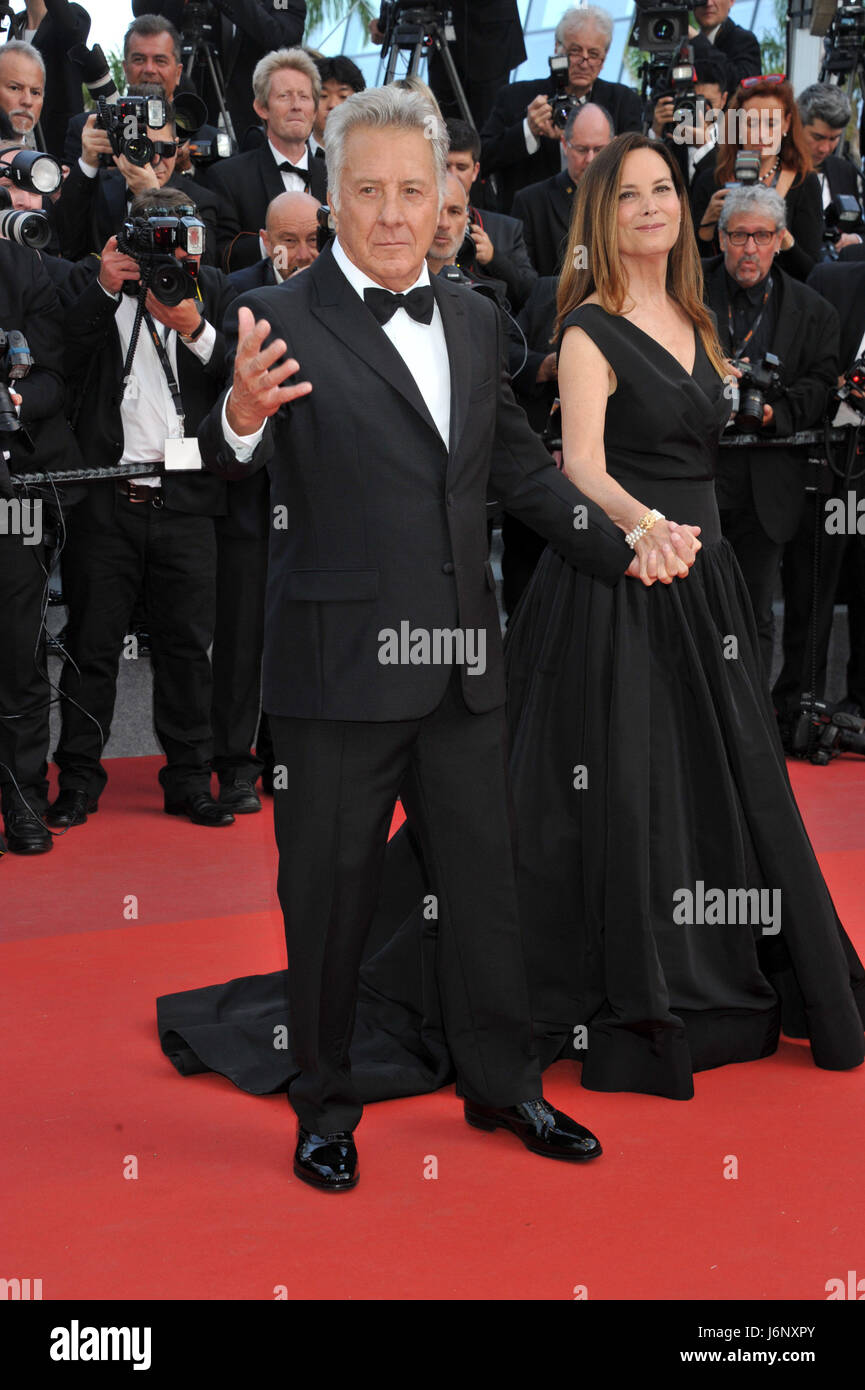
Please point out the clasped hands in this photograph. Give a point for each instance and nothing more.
(665, 553)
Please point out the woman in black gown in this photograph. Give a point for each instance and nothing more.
(646, 764)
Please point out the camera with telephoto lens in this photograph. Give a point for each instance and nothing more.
(756, 380)
(15, 363)
(677, 79)
(852, 389)
(820, 733)
(561, 101)
(840, 216)
(152, 241)
(125, 122)
(37, 173)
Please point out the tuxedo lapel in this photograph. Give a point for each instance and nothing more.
(560, 200)
(344, 313)
(271, 178)
(317, 177)
(449, 299)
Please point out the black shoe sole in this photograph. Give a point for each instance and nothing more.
(240, 810)
(324, 1186)
(490, 1125)
(30, 849)
(65, 824)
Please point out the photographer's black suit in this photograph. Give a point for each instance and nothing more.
(761, 492)
(739, 46)
(545, 211)
(29, 303)
(259, 27)
(89, 211)
(503, 142)
(116, 546)
(384, 525)
(842, 286)
(246, 184)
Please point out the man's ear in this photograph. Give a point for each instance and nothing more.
(477, 170)
(260, 111)
(266, 239)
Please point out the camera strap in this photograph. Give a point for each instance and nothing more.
(737, 351)
(169, 374)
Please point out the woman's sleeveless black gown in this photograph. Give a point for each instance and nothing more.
(650, 792)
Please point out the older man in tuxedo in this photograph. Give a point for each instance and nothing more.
(383, 671)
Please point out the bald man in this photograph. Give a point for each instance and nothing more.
(289, 242)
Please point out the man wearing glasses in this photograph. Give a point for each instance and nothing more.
(520, 142)
(545, 208)
(760, 309)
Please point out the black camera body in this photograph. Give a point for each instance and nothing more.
(842, 215)
(854, 382)
(15, 363)
(125, 122)
(152, 241)
(561, 101)
(660, 27)
(756, 380)
(820, 733)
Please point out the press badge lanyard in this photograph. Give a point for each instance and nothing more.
(737, 352)
(169, 374)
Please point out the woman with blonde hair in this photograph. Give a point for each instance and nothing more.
(674, 914)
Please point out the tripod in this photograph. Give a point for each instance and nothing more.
(199, 47)
(418, 30)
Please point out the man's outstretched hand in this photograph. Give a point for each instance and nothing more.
(257, 390)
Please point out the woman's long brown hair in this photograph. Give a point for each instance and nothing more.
(794, 151)
(595, 231)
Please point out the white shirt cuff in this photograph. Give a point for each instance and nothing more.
(533, 144)
(242, 445)
(88, 170)
(204, 343)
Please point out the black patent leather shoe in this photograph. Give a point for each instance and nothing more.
(201, 810)
(71, 808)
(25, 833)
(327, 1161)
(541, 1128)
(239, 797)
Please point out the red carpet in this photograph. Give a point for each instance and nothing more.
(215, 1211)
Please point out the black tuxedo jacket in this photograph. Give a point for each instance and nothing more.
(383, 524)
(253, 277)
(844, 287)
(260, 26)
(94, 366)
(511, 262)
(806, 341)
(503, 143)
(89, 211)
(740, 48)
(29, 303)
(246, 184)
(59, 31)
(545, 211)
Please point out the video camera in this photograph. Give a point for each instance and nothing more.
(37, 173)
(844, 40)
(756, 380)
(662, 32)
(151, 241)
(125, 122)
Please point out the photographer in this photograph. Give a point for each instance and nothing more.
(94, 199)
(521, 142)
(153, 531)
(842, 550)
(287, 91)
(56, 27)
(22, 88)
(488, 46)
(545, 208)
(825, 112)
(243, 32)
(760, 309)
(500, 248)
(718, 33)
(28, 523)
(340, 79)
(695, 147)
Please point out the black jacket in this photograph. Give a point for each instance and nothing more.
(245, 185)
(62, 28)
(30, 304)
(804, 219)
(503, 142)
(536, 319)
(386, 525)
(511, 262)
(260, 26)
(94, 366)
(253, 277)
(844, 287)
(739, 46)
(89, 211)
(806, 341)
(545, 211)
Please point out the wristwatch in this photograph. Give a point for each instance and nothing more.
(196, 332)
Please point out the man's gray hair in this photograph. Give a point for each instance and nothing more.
(380, 108)
(822, 102)
(26, 50)
(765, 202)
(578, 111)
(280, 58)
(585, 16)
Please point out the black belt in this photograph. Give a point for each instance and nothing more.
(135, 491)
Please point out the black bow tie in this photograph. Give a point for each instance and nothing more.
(286, 168)
(384, 304)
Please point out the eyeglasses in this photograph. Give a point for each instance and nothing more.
(761, 238)
(770, 78)
(591, 55)
(582, 150)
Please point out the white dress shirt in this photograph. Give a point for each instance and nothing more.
(293, 184)
(422, 347)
